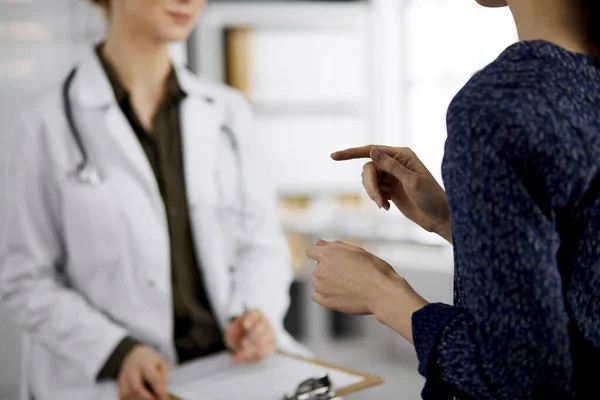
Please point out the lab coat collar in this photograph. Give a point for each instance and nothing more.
(93, 89)
(193, 86)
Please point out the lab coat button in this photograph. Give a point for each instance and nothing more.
(151, 283)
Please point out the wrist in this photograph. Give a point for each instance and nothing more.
(118, 357)
(391, 294)
(444, 230)
(385, 293)
(395, 303)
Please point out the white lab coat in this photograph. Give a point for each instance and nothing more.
(83, 266)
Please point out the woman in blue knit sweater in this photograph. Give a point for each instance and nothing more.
(522, 211)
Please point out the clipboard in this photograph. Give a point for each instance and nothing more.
(368, 381)
(365, 380)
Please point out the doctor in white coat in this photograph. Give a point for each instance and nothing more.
(85, 257)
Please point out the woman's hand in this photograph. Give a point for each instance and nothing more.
(396, 174)
(250, 337)
(143, 375)
(353, 281)
(347, 278)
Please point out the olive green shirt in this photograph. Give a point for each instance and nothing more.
(196, 332)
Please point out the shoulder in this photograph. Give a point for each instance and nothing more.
(506, 118)
(35, 115)
(30, 126)
(504, 105)
(499, 94)
(533, 86)
(46, 101)
(502, 113)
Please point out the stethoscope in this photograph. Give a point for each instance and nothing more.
(85, 173)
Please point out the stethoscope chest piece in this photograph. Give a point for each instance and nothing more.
(88, 175)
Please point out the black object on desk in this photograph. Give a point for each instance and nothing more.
(313, 389)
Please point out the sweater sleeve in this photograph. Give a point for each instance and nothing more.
(511, 339)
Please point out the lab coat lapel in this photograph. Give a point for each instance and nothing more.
(123, 135)
(92, 90)
(202, 119)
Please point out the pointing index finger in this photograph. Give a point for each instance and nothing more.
(359, 152)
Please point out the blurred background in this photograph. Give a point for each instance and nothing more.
(321, 76)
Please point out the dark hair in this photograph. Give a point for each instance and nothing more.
(591, 21)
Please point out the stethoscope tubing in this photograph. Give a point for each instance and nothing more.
(68, 109)
(85, 173)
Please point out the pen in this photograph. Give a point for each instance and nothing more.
(246, 311)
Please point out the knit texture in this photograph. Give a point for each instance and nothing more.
(521, 171)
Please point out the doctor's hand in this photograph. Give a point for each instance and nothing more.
(143, 375)
(250, 337)
(396, 174)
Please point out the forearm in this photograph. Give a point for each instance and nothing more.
(64, 322)
(394, 304)
(453, 349)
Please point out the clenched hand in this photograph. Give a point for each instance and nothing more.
(143, 376)
(250, 337)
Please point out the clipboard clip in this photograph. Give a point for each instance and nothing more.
(313, 389)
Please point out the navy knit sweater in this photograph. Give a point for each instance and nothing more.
(522, 174)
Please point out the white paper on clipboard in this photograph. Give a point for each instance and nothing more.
(215, 378)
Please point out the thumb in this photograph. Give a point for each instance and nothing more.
(391, 165)
(233, 333)
(165, 367)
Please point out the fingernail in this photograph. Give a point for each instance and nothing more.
(377, 154)
(321, 242)
(387, 207)
(378, 201)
